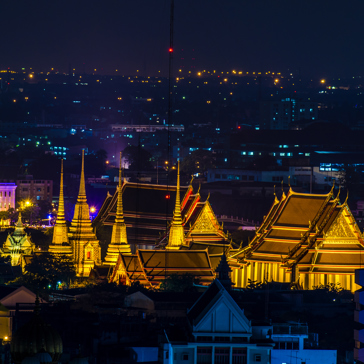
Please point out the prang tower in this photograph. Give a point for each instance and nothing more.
(176, 238)
(119, 241)
(85, 246)
(60, 242)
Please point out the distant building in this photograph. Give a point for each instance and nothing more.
(35, 190)
(286, 113)
(7, 196)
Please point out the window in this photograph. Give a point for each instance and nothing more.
(239, 339)
(39, 189)
(1, 194)
(25, 189)
(5, 194)
(38, 198)
(204, 339)
(222, 355)
(88, 255)
(204, 355)
(217, 175)
(251, 178)
(184, 356)
(9, 194)
(257, 358)
(222, 339)
(224, 176)
(239, 356)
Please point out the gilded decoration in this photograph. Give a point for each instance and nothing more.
(204, 222)
(340, 229)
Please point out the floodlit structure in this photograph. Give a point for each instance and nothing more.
(17, 244)
(60, 242)
(307, 240)
(86, 251)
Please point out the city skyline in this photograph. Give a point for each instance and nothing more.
(310, 38)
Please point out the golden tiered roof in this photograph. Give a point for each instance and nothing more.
(314, 233)
(151, 267)
(85, 246)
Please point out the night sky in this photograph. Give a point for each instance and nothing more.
(322, 38)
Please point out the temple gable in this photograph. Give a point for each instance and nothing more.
(206, 221)
(340, 228)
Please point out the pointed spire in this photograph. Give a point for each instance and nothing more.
(177, 210)
(60, 215)
(60, 242)
(119, 209)
(176, 231)
(223, 271)
(82, 191)
(119, 240)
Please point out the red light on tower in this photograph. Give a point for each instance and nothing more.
(168, 197)
(170, 50)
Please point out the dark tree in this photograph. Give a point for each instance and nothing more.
(139, 159)
(46, 270)
(199, 161)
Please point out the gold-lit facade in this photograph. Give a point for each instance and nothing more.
(119, 240)
(17, 244)
(60, 242)
(307, 240)
(86, 250)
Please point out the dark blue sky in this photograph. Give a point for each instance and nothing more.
(318, 37)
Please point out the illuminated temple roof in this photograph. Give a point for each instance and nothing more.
(315, 232)
(147, 212)
(147, 209)
(151, 267)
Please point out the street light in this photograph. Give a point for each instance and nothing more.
(92, 210)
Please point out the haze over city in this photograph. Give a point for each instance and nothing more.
(315, 38)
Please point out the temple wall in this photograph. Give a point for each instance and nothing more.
(347, 281)
(259, 272)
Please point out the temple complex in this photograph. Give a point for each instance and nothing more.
(307, 240)
(174, 253)
(17, 244)
(85, 246)
(60, 242)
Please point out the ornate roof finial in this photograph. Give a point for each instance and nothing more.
(289, 181)
(347, 196)
(338, 194)
(208, 196)
(275, 196)
(282, 185)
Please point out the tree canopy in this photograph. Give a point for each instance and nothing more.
(46, 270)
(139, 159)
(199, 161)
